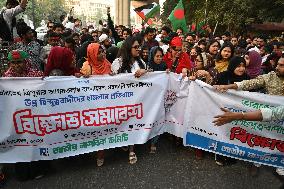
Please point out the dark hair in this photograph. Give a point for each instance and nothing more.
(105, 30)
(22, 28)
(125, 53)
(226, 44)
(62, 17)
(58, 25)
(70, 40)
(149, 30)
(86, 37)
(49, 22)
(211, 42)
(166, 29)
(12, 2)
(94, 31)
(128, 30)
(227, 34)
(144, 47)
(34, 33)
(180, 29)
(75, 34)
(52, 34)
(154, 52)
(190, 34)
(202, 42)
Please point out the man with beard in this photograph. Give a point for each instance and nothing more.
(273, 83)
(105, 41)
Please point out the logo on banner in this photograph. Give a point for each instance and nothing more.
(43, 152)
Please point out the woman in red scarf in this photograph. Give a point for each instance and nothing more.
(96, 63)
(60, 62)
(176, 60)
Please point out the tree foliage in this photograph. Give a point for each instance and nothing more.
(43, 10)
(230, 15)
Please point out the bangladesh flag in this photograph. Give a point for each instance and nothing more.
(201, 27)
(148, 11)
(177, 17)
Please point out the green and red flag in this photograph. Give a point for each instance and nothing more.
(146, 12)
(201, 27)
(177, 17)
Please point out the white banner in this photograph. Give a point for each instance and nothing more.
(65, 116)
(260, 142)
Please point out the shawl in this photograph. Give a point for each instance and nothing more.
(92, 66)
(61, 58)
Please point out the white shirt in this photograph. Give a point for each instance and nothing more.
(9, 14)
(118, 62)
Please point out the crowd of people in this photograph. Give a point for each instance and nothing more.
(225, 61)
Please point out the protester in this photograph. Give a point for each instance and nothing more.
(253, 64)
(61, 60)
(96, 63)
(10, 11)
(27, 44)
(264, 114)
(212, 48)
(176, 60)
(53, 40)
(149, 38)
(129, 61)
(145, 53)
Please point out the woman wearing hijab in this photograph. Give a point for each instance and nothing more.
(155, 61)
(60, 62)
(176, 60)
(96, 63)
(253, 64)
(236, 72)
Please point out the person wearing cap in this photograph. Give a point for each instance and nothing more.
(20, 65)
(104, 40)
(176, 60)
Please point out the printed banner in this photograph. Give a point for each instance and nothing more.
(260, 142)
(65, 116)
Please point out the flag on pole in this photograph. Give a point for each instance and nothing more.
(201, 27)
(177, 17)
(146, 12)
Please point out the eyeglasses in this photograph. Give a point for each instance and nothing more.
(136, 47)
(101, 51)
(175, 49)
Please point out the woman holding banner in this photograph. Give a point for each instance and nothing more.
(96, 64)
(129, 61)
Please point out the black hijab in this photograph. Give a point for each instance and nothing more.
(229, 77)
(152, 64)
